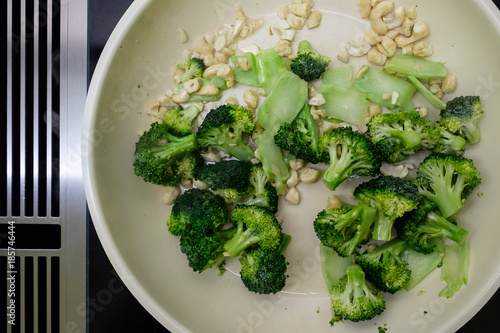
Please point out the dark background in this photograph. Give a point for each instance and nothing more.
(121, 312)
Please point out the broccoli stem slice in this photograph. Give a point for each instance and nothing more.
(411, 139)
(455, 268)
(240, 151)
(382, 228)
(416, 66)
(437, 226)
(430, 97)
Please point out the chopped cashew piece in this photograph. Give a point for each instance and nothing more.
(293, 180)
(449, 84)
(283, 48)
(199, 184)
(283, 12)
(208, 90)
(318, 99)
(398, 18)
(297, 164)
(181, 34)
(365, 7)
(372, 37)
(309, 175)
(314, 20)
(400, 170)
(423, 49)
(357, 49)
(343, 57)
(374, 109)
(295, 21)
(251, 98)
(387, 46)
(419, 31)
(376, 16)
(170, 194)
(187, 183)
(375, 57)
(192, 85)
(293, 196)
(301, 9)
(334, 202)
(422, 110)
(182, 97)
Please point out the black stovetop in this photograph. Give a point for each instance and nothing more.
(111, 307)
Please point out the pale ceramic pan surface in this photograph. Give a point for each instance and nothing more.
(129, 216)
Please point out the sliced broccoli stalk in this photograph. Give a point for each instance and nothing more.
(447, 180)
(343, 101)
(447, 142)
(354, 298)
(247, 77)
(157, 152)
(455, 268)
(254, 225)
(309, 65)
(375, 84)
(333, 266)
(421, 264)
(429, 96)
(343, 229)
(273, 161)
(269, 68)
(224, 127)
(392, 197)
(180, 119)
(284, 102)
(194, 67)
(301, 137)
(358, 156)
(424, 223)
(461, 116)
(384, 266)
(418, 67)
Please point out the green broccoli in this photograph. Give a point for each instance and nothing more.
(180, 120)
(157, 153)
(264, 271)
(224, 127)
(192, 68)
(447, 180)
(384, 266)
(348, 153)
(455, 268)
(262, 192)
(254, 225)
(392, 197)
(344, 229)
(229, 179)
(300, 137)
(399, 135)
(462, 115)
(273, 160)
(354, 298)
(309, 65)
(189, 167)
(198, 211)
(418, 67)
(447, 142)
(424, 223)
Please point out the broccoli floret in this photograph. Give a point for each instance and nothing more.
(190, 166)
(198, 211)
(204, 251)
(348, 153)
(447, 180)
(355, 298)
(399, 135)
(254, 226)
(300, 137)
(425, 222)
(180, 120)
(455, 268)
(385, 267)
(392, 197)
(157, 152)
(344, 229)
(192, 68)
(264, 271)
(309, 64)
(448, 143)
(462, 115)
(223, 128)
(229, 179)
(262, 192)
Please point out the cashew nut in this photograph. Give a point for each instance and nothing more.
(407, 27)
(397, 19)
(357, 50)
(449, 84)
(182, 97)
(387, 46)
(343, 57)
(372, 37)
(192, 85)
(208, 90)
(423, 49)
(314, 19)
(251, 98)
(293, 180)
(365, 7)
(318, 99)
(377, 14)
(295, 21)
(181, 35)
(293, 196)
(199, 184)
(375, 57)
(309, 175)
(283, 48)
(301, 9)
(223, 70)
(420, 30)
(297, 164)
(170, 194)
(334, 202)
